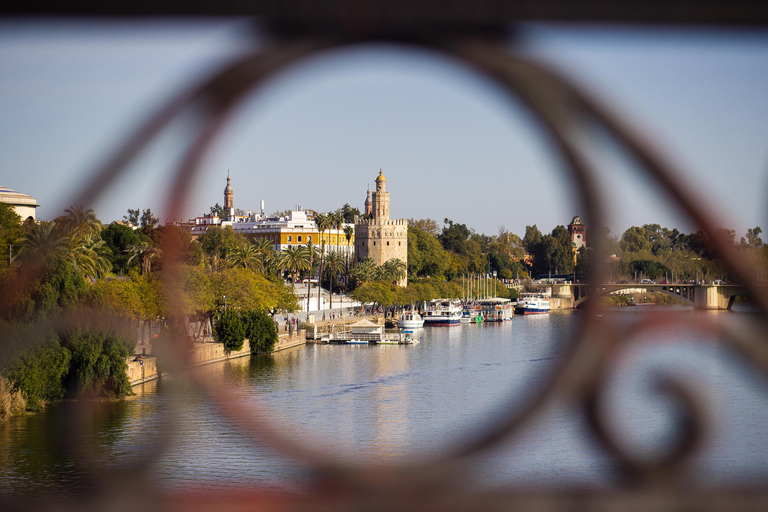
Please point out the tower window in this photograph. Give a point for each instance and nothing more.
(374, 242)
(387, 242)
(298, 238)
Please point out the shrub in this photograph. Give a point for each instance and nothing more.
(229, 329)
(11, 400)
(260, 330)
(38, 373)
(98, 365)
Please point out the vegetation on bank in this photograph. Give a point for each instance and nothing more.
(75, 293)
(232, 328)
(160, 274)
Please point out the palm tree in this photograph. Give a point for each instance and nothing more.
(246, 256)
(79, 221)
(293, 260)
(266, 253)
(146, 251)
(365, 270)
(334, 264)
(43, 242)
(312, 254)
(323, 222)
(393, 270)
(88, 254)
(82, 248)
(348, 231)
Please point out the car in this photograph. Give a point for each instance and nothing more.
(647, 281)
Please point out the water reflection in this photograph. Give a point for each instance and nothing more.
(378, 402)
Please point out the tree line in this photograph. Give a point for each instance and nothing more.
(62, 275)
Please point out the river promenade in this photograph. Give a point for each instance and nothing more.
(142, 367)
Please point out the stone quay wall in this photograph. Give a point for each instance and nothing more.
(145, 369)
(140, 371)
(285, 341)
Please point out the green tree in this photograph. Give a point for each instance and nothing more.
(454, 237)
(393, 270)
(146, 252)
(245, 255)
(294, 260)
(426, 256)
(428, 226)
(230, 330)
(260, 331)
(217, 243)
(266, 254)
(375, 292)
(635, 239)
(39, 371)
(753, 237)
(348, 213)
(148, 221)
(217, 211)
(11, 231)
(348, 232)
(334, 265)
(98, 364)
(132, 217)
(365, 270)
(323, 222)
(117, 238)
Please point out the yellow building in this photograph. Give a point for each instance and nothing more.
(292, 230)
(296, 228)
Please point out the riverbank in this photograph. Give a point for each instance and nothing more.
(633, 299)
(143, 368)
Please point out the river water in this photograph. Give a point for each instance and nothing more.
(387, 402)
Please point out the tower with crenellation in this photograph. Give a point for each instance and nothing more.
(378, 236)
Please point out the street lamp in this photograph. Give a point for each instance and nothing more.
(225, 303)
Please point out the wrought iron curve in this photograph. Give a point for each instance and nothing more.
(561, 109)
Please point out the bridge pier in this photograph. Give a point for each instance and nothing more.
(713, 296)
(700, 296)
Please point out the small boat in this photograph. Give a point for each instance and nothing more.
(410, 320)
(443, 312)
(532, 303)
(496, 309)
(471, 314)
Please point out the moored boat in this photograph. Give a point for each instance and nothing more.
(471, 313)
(496, 309)
(410, 320)
(532, 303)
(443, 312)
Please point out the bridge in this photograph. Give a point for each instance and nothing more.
(700, 296)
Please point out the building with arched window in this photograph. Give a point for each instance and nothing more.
(23, 204)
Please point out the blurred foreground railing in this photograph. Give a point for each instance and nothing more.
(466, 32)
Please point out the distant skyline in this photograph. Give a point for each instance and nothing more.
(450, 144)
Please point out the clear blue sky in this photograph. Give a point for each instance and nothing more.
(450, 144)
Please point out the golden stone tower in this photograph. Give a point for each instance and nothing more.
(380, 237)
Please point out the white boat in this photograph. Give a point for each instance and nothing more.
(496, 309)
(532, 303)
(471, 314)
(410, 320)
(443, 312)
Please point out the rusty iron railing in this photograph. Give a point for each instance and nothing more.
(467, 32)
